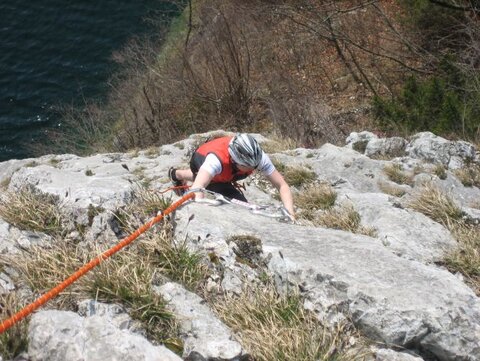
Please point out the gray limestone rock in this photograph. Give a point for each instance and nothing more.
(344, 168)
(405, 232)
(203, 332)
(358, 141)
(391, 355)
(7, 244)
(115, 314)
(388, 285)
(472, 215)
(451, 186)
(386, 147)
(12, 239)
(61, 335)
(6, 284)
(435, 149)
(102, 229)
(108, 186)
(394, 300)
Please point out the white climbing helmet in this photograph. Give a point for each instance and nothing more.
(245, 150)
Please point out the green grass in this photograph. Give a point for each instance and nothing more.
(127, 279)
(178, 262)
(360, 146)
(41, 269)
(54, 162)
(32, 164)
(175, 37)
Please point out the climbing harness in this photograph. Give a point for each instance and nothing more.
(279, 213)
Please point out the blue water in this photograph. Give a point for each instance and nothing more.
(57, 52)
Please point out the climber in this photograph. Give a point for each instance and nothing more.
(217, 165)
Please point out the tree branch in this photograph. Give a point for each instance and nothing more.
(453, 6)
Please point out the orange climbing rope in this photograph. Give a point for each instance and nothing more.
(5, 325)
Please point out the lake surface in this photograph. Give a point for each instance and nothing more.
(55, 53)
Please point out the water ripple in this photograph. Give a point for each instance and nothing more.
(56, 52)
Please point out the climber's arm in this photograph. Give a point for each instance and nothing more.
(285, 194)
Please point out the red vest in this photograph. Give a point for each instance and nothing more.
(219, 147)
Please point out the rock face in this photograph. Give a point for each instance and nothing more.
(429, 147)
(393, 299)
(204, 333)
(388, 284)
(405, 232)
(389, 355)
(61, 335)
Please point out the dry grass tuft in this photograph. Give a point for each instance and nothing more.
(396, 174)
(313, 198)
(145, 204)
(126, 277)
(278, 144)
(29, 209)
(5, 183)
(275, 327)
(470, 176)
(152, 152)
(15, 339)
(391, 189)
(316, 196)
(344, 218)
(32, 164)
(149, 203)
(441, 208)
(466, 258)
(440, 171)
(44, 268)
(295, 176)
(437, 205)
